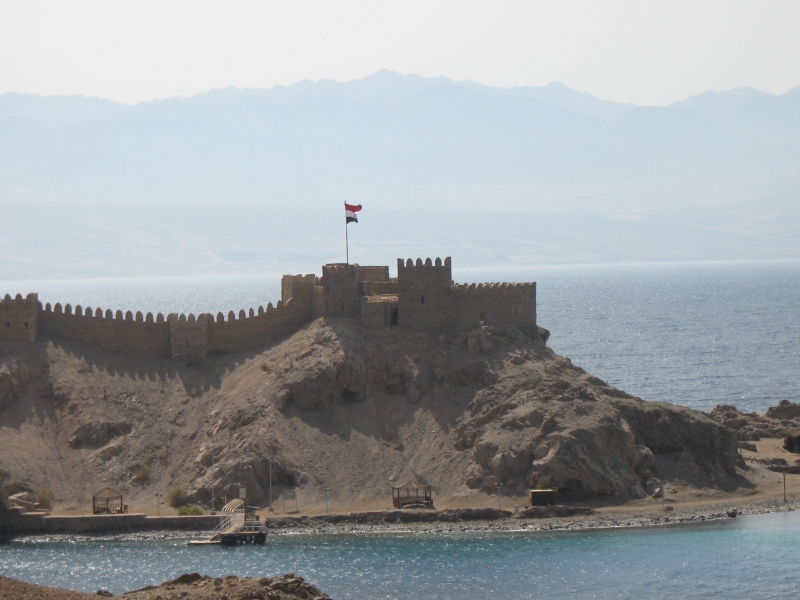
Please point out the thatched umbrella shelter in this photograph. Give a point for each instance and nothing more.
(412, 494)
(108, 502)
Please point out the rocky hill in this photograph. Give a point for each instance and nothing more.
(348, 408)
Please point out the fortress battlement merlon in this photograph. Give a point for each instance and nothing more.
(422, 297)
(409, 263)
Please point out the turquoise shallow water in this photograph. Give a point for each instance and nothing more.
(695, 334)
(749, 557)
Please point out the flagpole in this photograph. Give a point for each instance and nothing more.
(347, 241)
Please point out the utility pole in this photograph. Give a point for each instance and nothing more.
(212, 479)
(784, 485)
(498, 486)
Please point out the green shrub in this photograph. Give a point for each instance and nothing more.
(177, 497)
(43, 498)
(190, 510)
(546, 483)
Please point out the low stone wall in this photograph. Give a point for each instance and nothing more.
(15, 524)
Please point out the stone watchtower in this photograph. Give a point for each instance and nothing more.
(340, 291)
(19, 318)
(425, 294)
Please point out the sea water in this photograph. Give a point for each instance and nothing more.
(691, 334)
(747, 557)
(696, 334)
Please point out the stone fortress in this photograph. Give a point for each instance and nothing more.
(422, 297)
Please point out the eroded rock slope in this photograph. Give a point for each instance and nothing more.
(348, 408)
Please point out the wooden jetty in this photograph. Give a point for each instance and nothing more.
(238, 524)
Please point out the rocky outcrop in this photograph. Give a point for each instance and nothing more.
(588, 443)
(785, 410)
(91, 435)
(190, 585)
(779, 421)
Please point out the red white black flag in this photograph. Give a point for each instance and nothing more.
(351, 212)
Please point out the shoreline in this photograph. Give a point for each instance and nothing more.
(599, 521)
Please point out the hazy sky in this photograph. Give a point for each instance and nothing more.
(640, 51)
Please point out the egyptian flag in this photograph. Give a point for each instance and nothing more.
(351, 212)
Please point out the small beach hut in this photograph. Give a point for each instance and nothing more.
(412, 495)
(543, 497)
(108, 502)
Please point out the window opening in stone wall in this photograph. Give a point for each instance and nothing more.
(422, 299)
(483, 317)
(394, 317)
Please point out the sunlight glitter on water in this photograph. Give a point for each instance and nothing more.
(741, 558)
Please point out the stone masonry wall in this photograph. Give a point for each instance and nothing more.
(425, 294)
(340, 285)
(504, 304)
(186, 338)
(139, 335)
(19, 318)
(189, 337)
(251, 330)
(370, 273)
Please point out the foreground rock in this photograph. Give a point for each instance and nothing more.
(349, 408)
(193, 585)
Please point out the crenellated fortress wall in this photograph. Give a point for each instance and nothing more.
(503, 304)
(139, 335)
(189, 338)
(430, 301)
(422, 297)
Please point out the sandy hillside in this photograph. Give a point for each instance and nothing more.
(346, 408)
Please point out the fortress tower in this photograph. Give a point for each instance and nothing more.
(19, 318)
(425, 294)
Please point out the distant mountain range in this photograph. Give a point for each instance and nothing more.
(251, 180)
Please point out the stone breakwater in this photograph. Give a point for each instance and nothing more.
(547, 519)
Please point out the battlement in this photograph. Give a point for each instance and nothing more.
(419, 264)
(505, 304)
(19, 318)
(140, 335)
(497, 288)
(184, 337)
(425, 294)
(422, 297)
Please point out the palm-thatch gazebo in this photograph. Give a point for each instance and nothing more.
(412, 495)
(108, 502)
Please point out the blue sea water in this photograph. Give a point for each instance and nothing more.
(691, 334)
(749, 557)
(696, 334)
